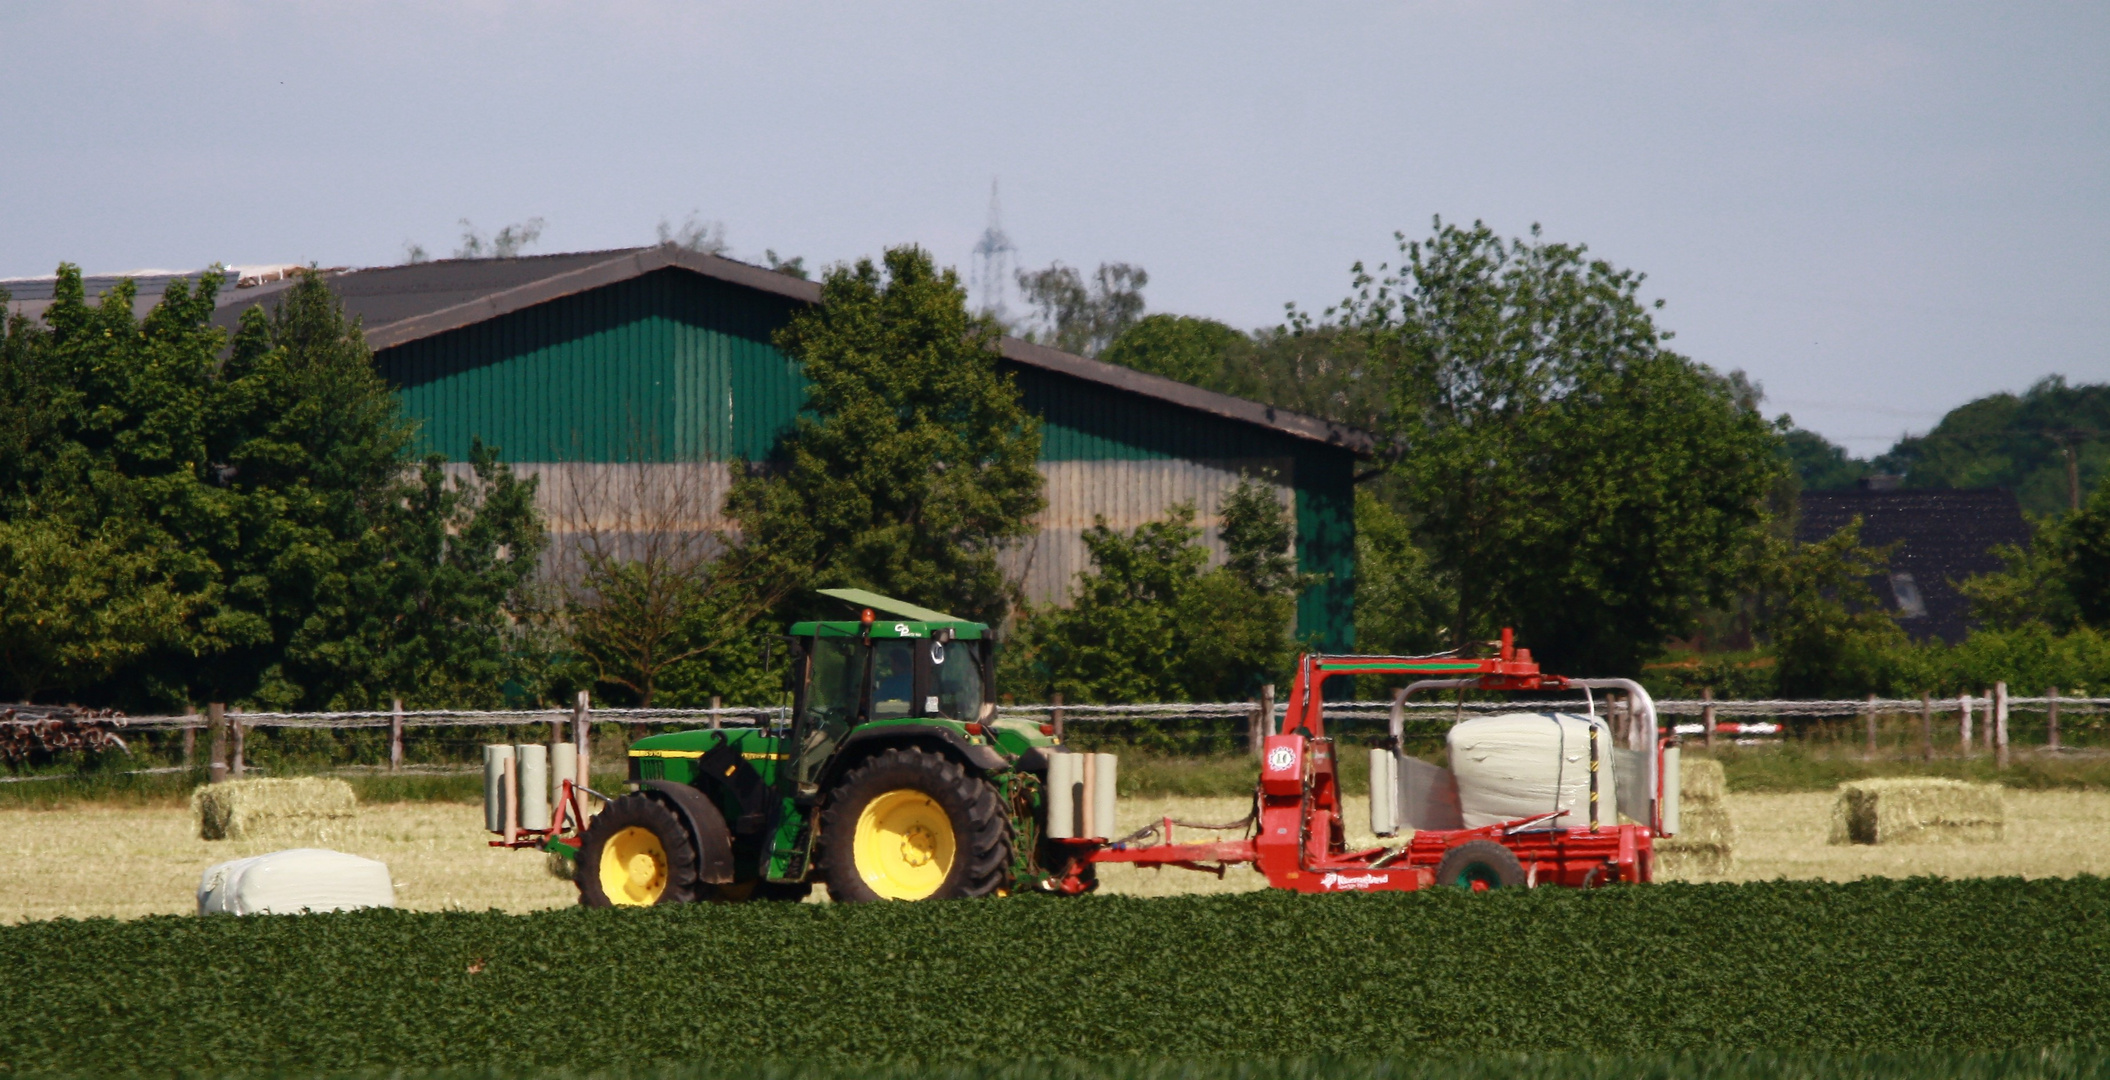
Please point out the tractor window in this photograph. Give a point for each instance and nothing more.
(838, 675)
(958, 679)
(893, 678)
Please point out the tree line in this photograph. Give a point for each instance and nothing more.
(190, 515)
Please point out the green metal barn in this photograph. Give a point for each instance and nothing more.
(596, 370)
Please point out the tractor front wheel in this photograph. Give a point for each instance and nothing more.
(910, 824)
(1480, 865)
(635, 854)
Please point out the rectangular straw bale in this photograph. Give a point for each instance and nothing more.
(240, 808)
(1917, 810)
(1702, 782)
(1704, 846)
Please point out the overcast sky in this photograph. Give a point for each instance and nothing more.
(1879, 212)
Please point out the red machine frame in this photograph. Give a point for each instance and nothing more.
(1300, 841)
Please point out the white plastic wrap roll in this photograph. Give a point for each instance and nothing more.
(1384, 792)
(1065, 778)
(1103, 768)
(495, 794)
(1520, 765)
(289, 882)
(533, 769)
(563, 765)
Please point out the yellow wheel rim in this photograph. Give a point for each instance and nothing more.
(633, 867)
(904, 845)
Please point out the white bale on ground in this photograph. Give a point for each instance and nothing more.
(1519, 765)
(288, 882)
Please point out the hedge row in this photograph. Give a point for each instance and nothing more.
(1912, 967)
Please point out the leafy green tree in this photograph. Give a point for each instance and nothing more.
(1822, 621)
(2049, 445)
(1151, 623)
(1121, 639)
(1179, 347)
(269, 495)
(1577, 479)
(2061, 580)
(75, 608)
(1403, 606)
(1820, 464)
(914, 462)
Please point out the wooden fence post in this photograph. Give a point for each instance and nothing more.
(2000, 725)
(714, 712)
(1267, 717)
(216, 729)
(1055, 713)
(1707, 713)
(395, 735)
(1963, 723)
(582, 734)
(1927, 726)
(241, 761)
(2051, 718)
(1871, 725)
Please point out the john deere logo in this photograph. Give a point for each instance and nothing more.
(1281, 759)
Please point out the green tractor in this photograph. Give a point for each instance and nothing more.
(894, 780)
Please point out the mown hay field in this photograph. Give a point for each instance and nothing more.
(124, 862)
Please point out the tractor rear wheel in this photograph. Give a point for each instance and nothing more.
(910, 824)
(636, 853)
(1480, 865)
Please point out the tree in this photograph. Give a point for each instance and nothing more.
(74, 609)
(1178, 347)
(1827, 630)
(2049, 445)
(1403, 606)
(656, 601)
(914, 462)
(1576, 479)
(268, 495)
(1818, 463)
(2061, 580)
(1084, 318)
(1151, 623)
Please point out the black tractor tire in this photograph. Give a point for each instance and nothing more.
(934, 795)
(1478, 865)
(670, 877)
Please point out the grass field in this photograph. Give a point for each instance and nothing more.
(127, 861)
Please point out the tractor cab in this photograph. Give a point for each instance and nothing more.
(894, 661)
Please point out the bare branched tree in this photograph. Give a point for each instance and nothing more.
(651, 575)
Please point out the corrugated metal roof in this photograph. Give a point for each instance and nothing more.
(401, 304)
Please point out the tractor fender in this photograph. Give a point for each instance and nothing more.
(714, 842)
(984, 758)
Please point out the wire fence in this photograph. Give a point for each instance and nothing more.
(764, 716)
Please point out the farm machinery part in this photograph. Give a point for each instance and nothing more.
(893, 778)
(1297, 837)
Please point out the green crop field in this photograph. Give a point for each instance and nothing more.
(1925, 967)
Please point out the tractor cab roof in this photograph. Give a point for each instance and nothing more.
(891, 619)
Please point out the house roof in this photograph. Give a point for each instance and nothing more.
(1943, 538)
(400, 304)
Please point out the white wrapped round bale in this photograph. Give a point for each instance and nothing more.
(287, 882)
(1519, 765)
